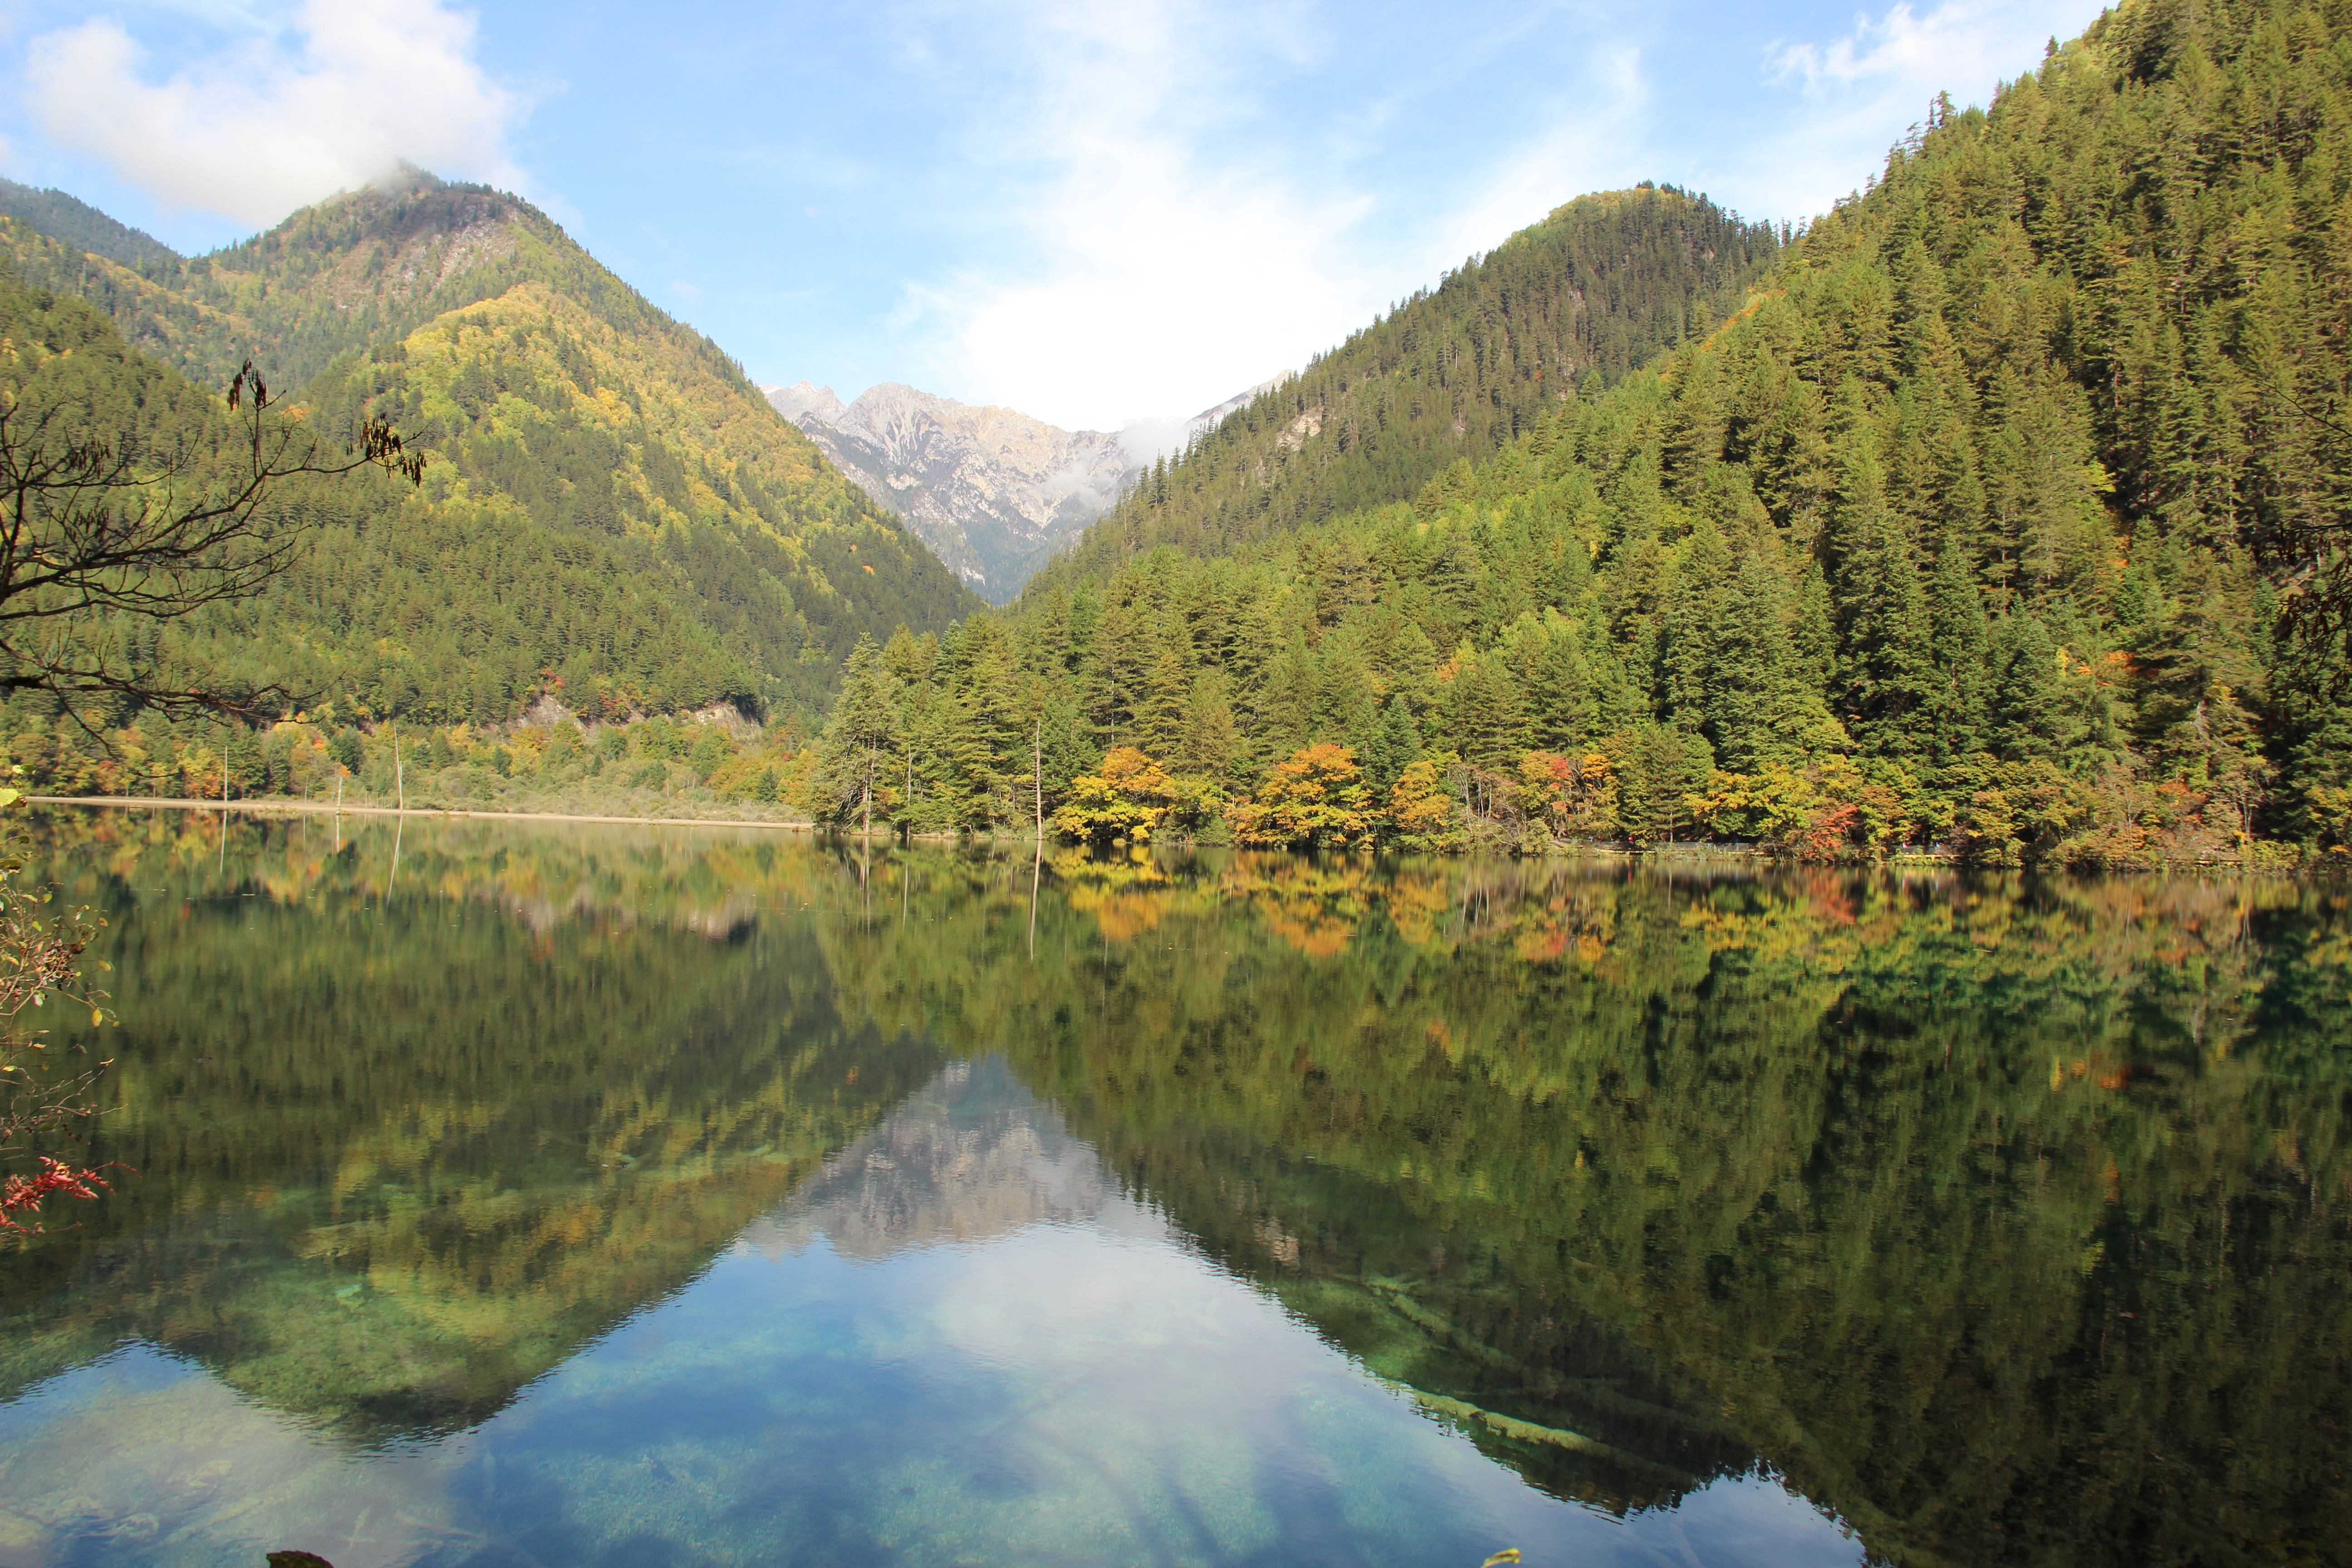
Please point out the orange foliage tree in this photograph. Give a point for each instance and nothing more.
(1316, 799)
(1126, 800)
(1572, 797)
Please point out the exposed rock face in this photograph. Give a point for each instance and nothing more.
(993, 491)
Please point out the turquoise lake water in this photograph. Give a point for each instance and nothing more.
(543, 1194)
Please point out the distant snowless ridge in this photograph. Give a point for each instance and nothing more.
(993, 491)
(1141, 439)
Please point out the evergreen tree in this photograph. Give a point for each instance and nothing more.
(1392, 746)
(860, 739)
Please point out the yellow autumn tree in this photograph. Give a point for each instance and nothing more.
(1126, 800)
(1422, 811)
(1316, 799)
(1572, 798)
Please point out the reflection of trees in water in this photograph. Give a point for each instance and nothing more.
(1855, 1175)
(396, 1158)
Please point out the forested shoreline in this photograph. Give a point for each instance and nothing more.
(2004, 517)
(2000, 518)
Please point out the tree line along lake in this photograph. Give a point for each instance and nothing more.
(536, 1193)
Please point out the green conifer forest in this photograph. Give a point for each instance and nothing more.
(1999, 509)
(1593, 290)
(2004, 514)
(611, 516)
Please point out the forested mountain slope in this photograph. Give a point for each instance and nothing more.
(1453, 372)
(611, 513)
(2001, 515)
(83, 226)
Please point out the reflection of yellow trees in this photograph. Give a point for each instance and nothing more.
(1779, 1159)
(692, 878)
(1127, 895)
(1851, 1173)
(1314, 906)
(1416, 898)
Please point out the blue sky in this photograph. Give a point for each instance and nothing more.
(1092, 212)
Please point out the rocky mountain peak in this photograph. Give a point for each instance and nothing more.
(992, 491)
(805, 397)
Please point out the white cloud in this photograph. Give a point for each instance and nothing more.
(1157, 257)
(269, 123)
(1172, 237)
(1858, 91)
(1901, 45)
(1592, 136)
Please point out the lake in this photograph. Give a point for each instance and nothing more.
(564, 1194)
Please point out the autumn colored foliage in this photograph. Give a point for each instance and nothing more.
(40, 963)
(1125, 800)
(1317, 799)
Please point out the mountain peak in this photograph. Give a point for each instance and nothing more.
(992, 491)
(568, 422)
(805, 397)
(76, 223)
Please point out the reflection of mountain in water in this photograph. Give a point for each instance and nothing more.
(1572, 1403)
(395, 1157)
(2005, 1220)
(972, 1155)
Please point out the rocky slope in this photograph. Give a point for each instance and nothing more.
(993, 491)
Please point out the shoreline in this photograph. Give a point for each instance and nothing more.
(327, 808)
(1700, 851)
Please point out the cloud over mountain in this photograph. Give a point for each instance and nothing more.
(265, 124)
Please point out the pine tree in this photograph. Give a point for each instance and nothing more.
(1209, 748)
(1887, 645)
(861, 735)
(1955, 713)
(1392, 746)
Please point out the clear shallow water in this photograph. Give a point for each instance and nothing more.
(581, 1197)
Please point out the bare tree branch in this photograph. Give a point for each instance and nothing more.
(92, 531)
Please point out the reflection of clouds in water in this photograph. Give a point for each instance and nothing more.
(140, 1457)
(1074, 1303)
(959, 1342)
